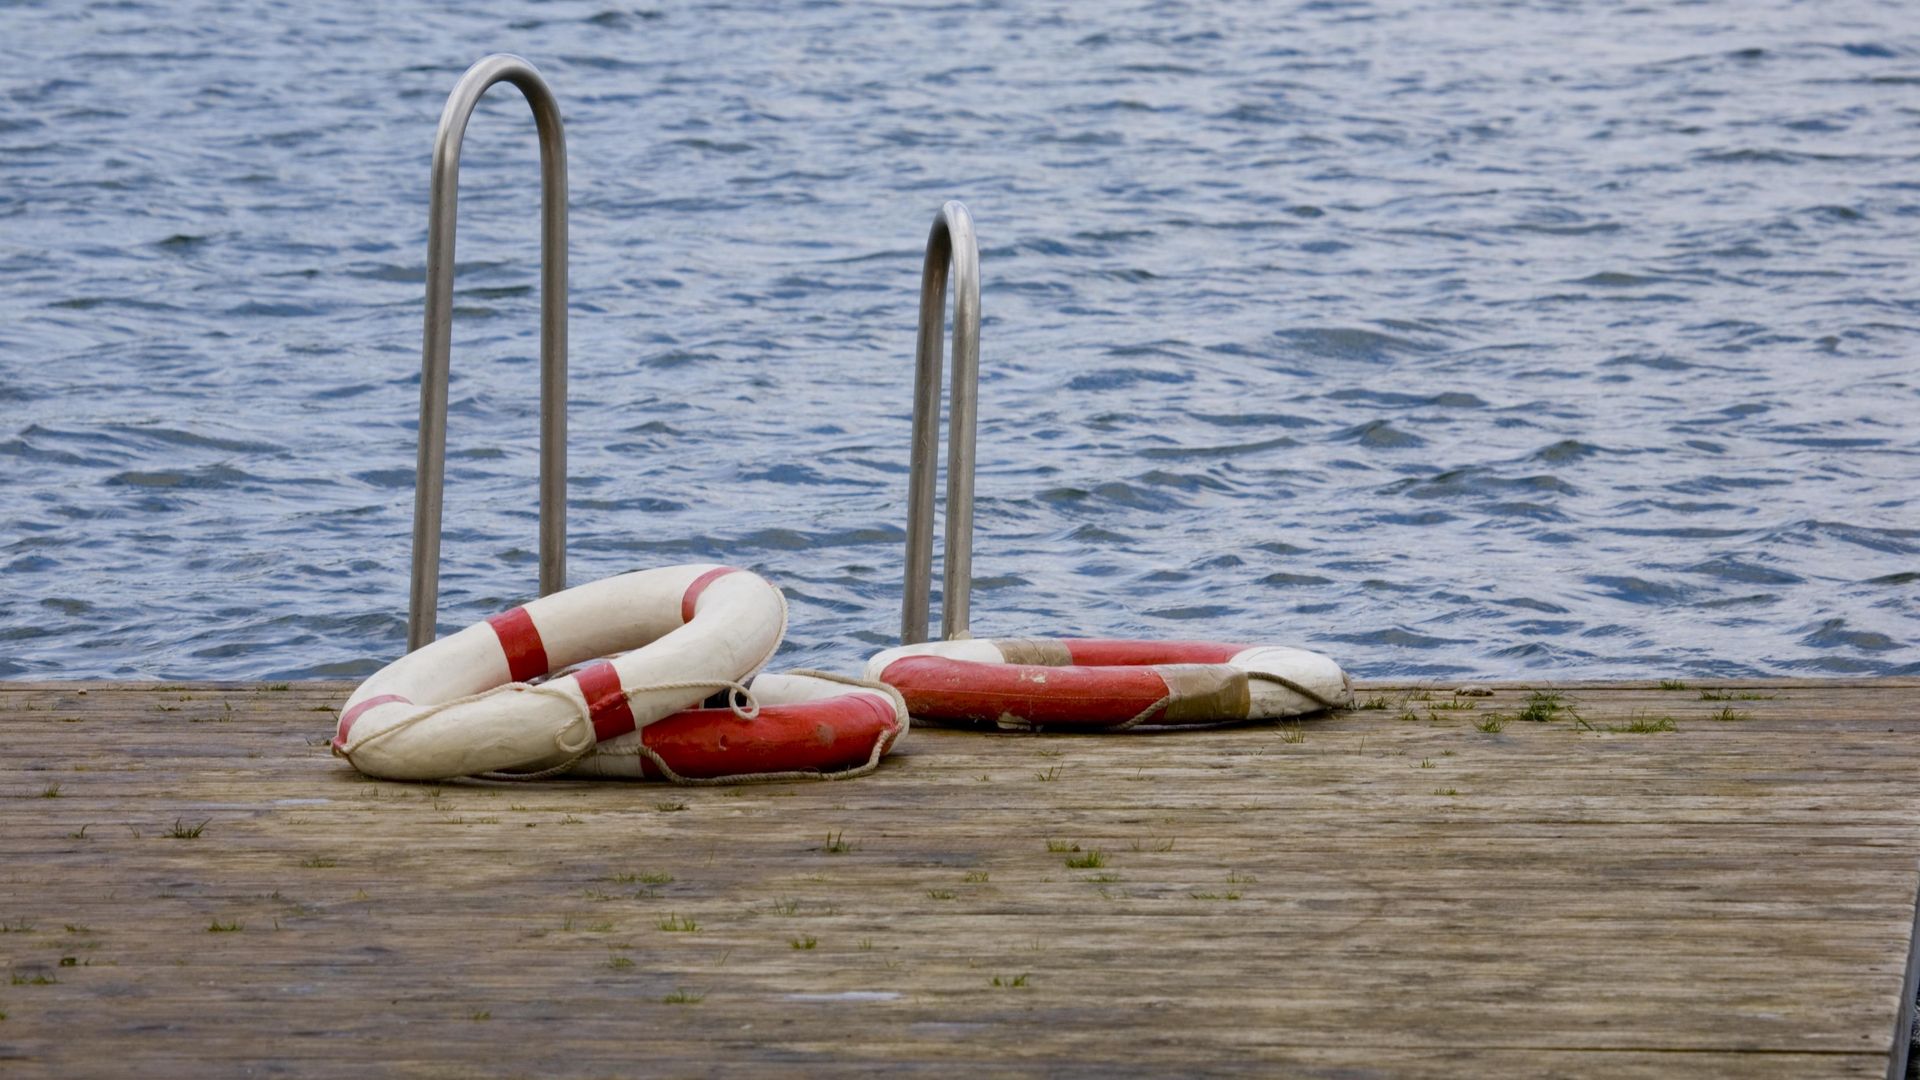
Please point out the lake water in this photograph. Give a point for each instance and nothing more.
(1540, 339)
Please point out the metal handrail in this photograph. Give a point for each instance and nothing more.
(424, 601)
(951, 241)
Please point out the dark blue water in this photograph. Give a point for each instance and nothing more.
(1526, 338)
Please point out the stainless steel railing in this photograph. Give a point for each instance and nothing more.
(951, 242)
(429, 479)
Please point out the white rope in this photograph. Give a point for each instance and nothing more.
(1295, 687)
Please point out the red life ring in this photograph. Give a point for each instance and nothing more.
(802, 724)
(1022, 684)
(652, 643)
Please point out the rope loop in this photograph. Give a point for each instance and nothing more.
(737, 692)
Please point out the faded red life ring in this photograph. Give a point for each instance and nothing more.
(1079, 684)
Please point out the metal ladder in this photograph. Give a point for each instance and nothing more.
(952, 242)
(430, 478)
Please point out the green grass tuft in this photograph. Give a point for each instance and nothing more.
(183, 831)
(1092, 860)
(1646, 725)
(1543, 706)
(644, 878)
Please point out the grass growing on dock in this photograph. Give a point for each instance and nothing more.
(676, 924)
(183, 831)
(644, 877)
(1092, 860)
(1644, 725)
(1544, 706)
(1672, 684)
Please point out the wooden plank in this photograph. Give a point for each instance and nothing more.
(1355, 895)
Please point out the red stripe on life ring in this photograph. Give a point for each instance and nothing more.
(347, 718)
(520, 640)
(1098, 652)
(1089, 697)
(692, 597)
(819, 736)
(606, 700)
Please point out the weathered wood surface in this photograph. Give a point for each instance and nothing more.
(1390, 892)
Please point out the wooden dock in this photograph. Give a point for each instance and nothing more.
(1622, 881)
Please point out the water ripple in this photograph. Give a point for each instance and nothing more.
(1576, 347)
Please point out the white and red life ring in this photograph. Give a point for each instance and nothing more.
(462, 705)
(1077, 684)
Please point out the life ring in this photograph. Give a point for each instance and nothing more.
(1028, 683)
(463, 705)
(799, 725)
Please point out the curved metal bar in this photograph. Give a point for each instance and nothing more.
(424, 601)
(951, 241)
